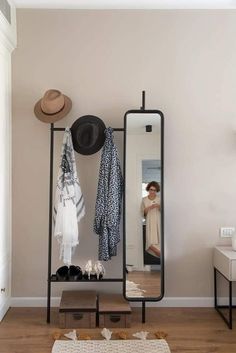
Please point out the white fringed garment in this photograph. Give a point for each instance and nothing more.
(113, 346)
(69, 203)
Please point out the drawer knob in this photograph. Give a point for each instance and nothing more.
(3, 290)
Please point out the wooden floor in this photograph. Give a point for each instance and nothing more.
(150, 281)
(190, 330)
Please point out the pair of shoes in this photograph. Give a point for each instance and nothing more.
(99, 269)
(72, 273)
(95, 271)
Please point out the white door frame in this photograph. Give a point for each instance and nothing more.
(7, 45)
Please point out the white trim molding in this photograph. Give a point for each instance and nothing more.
(191, 302)
(26, 302)
(8, 30)
(7, 44)
(127, 4)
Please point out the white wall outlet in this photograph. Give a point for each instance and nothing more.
(227, 232)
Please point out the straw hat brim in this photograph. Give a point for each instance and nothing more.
(52, 118)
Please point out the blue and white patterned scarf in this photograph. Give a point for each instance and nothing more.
(69, 203)
(108, 202)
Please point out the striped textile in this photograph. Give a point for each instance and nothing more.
(69, 203)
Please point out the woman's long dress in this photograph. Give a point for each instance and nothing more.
(153, 230)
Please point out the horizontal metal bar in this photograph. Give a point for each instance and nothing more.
(59, 129)
(54, 279)
(63, 129)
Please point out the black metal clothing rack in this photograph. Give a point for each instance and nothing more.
(52, 277)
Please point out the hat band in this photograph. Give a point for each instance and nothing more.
(55, 112)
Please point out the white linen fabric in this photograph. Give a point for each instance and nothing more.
(153, 223)
(69, 202)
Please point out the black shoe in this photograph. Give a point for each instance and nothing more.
(62, 273)
(75, 273)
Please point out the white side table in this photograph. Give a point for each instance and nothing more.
(224, 262)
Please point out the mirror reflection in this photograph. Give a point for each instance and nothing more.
(143, 185)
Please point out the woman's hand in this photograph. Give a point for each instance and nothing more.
(154, 205)
(147, 209)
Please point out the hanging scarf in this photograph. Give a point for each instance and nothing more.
(108, 202)
(69, 203)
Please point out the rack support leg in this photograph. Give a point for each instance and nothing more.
(50, 225)
(143, 312)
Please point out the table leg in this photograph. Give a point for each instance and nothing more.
(215, 287)
(230, 306)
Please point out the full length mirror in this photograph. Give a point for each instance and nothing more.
(143, 205)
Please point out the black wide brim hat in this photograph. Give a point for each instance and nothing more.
(88, 134)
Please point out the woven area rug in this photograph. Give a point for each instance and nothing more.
(112, 346)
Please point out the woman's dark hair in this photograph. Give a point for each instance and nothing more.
(154, 184)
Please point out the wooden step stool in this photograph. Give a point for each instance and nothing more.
(78, 309)
(114, 311)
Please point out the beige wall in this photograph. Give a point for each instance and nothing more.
(186, 61)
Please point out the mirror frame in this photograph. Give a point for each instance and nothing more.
(143, 299)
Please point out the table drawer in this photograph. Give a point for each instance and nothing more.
(222, 263)
(233, 270)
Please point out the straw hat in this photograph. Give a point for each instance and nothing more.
(53, 106)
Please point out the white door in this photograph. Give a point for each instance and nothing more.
(7, 45)
(5, 180)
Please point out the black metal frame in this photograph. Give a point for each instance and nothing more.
(144, 300)
(52, 277)
(230, 306)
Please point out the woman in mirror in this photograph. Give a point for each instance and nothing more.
(151, 212)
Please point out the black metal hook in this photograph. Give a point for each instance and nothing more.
(143, 100)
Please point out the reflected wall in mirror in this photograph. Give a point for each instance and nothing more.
(143, 205)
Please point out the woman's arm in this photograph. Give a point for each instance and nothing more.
(145, 211)
(154, 205)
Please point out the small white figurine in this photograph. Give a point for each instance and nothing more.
(106, 333)
(71, 335)
(142, 335)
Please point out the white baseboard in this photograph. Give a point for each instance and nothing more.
(34, 301)
(198, 302)
(180, 302)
